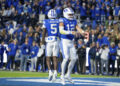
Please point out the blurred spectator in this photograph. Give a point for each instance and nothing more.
(12, 49)
(1, 37)
(36, 38)
(98, 59)
(69, 5)
(35, 7)
(20, 38)
(107, 2)
(80, 43)
(58, 10)
(82, 59)
(97, 13)
(2, 49)
(30, 38)
(99, 40)
(64, 4)
(17, 59)
(52, 3)
(104, 58)
(41, 4)
(92, 54)
(117, 39)
(88, 11)
(108, 11)
(116, 12)
(16, 16)
(77, 10)
(109, 22)
(112, 37)
(7, 36)
(34, 52)
(25, 51)
(33, 20)
(92, 37)
(25, 17)
(8, 26)
(112, 57)
(105, 39)
(118, 59)
(103, 12)
(47, 8)
(92, 11)
(73, 3)
(83, 11)
(19, 8)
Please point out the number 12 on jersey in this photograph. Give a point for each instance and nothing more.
(70, 27)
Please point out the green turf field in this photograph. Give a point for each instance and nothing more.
(39, 74)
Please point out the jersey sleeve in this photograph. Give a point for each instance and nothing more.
(75, 22)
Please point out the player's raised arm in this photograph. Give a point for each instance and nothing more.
(80, 30)
(43, 35)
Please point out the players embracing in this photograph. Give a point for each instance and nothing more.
(67, 27)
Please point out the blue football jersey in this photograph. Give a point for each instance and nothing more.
(52, 27)
(69, 25)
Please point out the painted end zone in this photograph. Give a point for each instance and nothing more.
(45, 82)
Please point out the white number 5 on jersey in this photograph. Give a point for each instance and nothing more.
(53, 28)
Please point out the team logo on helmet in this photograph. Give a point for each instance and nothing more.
(52, 14)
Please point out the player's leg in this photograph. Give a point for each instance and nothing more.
(73, 58)
(48, 61)
(55, 55)
(65, 52)
(55, 68)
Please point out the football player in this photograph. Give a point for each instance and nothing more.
(68, 28)
(51, 29)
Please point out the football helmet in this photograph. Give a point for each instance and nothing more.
(68, 13)
(52, 14)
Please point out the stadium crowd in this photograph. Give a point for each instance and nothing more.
(21, 33)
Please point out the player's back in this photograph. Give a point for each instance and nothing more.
(52, 27)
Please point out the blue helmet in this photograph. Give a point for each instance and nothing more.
(52, 14)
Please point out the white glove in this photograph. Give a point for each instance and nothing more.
(43, 46)
(117, 57)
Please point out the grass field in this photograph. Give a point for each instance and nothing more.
(39, 74)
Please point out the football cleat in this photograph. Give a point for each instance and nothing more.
(62, 80)
(50, 76)
(69, 79)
